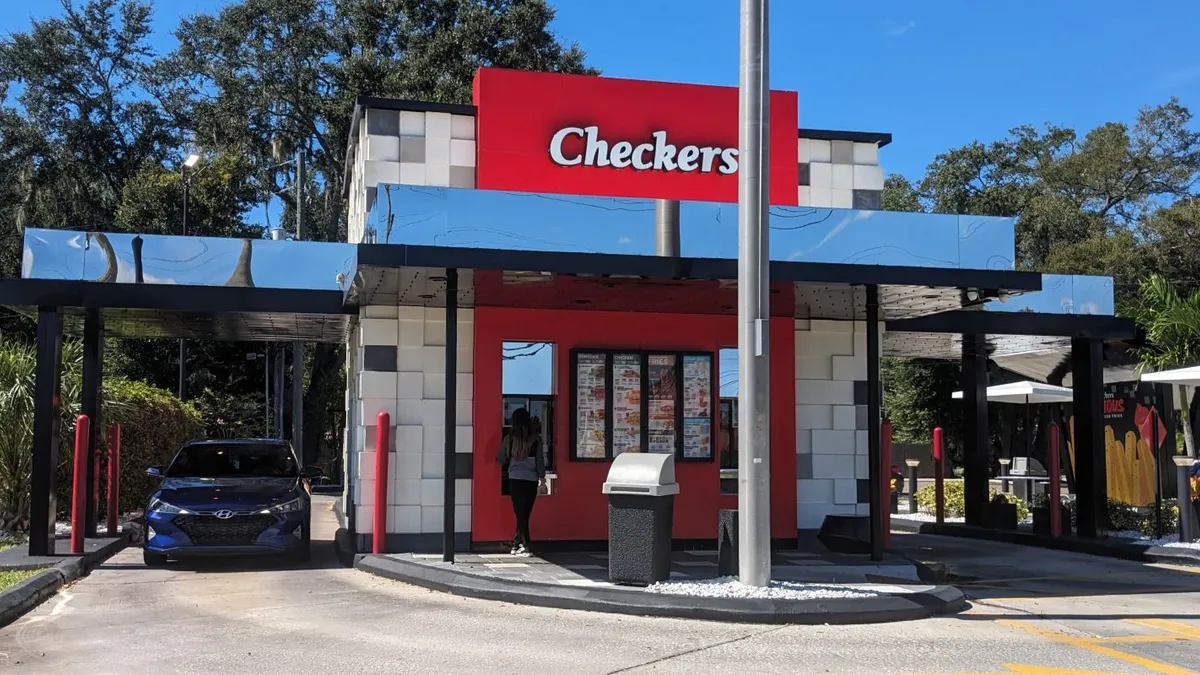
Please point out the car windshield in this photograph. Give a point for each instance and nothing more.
(226, 460)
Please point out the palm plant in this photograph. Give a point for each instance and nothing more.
(18, 365)
(1172, 326)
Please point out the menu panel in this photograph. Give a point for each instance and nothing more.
(662, 397)
(627, 403)
(590, 395)
(697, 406)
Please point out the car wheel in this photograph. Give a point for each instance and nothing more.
(153, 559)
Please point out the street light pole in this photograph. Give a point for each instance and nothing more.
(298, 345)
(187, 164)
(754, 458)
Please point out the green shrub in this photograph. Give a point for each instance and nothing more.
(154, 424)
(956, 504)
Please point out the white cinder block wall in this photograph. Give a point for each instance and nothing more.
(840, 175)
(831, 420)
(407, 147)
(402, 356)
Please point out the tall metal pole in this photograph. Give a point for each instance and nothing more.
(298, 346)
(666, 228)
(754, 458)
(182, 347)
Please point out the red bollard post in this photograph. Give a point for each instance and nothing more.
(939, 476)
(114, 477)
(885, 456)
(1055, 484)
(379, 522)
(79, 484)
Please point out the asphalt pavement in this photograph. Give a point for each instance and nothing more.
(1102, 616)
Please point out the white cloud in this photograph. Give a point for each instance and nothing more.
(624, 241)
(896, 30)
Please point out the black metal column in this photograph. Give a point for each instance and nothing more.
(43, 505)
(1091, 473)
(93, 372)
(975, 429)
(451, 421)
(874, 456)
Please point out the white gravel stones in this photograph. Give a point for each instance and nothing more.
(730, 587)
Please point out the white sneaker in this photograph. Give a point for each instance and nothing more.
(521, 551)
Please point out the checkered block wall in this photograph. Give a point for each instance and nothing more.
(400, 361)
(840, 175)
(432, 148)
(831, 420)
(407, 147)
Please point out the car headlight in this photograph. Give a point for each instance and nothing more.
(159, 506)
(290, 506)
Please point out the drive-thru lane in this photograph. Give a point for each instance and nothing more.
(125, 618)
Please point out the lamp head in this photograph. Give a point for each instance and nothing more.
(912, 463)
(191, 160)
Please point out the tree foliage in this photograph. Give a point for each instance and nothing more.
(94, 126)
(1118, 200)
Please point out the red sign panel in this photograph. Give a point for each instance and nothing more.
(586, 135)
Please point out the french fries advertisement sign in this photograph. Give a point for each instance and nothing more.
(1130, 425)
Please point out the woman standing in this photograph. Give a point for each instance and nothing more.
(522, 463)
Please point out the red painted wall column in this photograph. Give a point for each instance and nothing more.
(114, 477)
(379, 523)
(939, 476)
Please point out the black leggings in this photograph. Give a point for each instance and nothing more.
(523, 493)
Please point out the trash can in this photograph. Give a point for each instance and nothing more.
(641, 491)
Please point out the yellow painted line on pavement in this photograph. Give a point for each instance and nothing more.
(1093, 646)
(1177, 628)
(1134, 639)
(1020, 669)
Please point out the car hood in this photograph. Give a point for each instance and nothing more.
(207, 494)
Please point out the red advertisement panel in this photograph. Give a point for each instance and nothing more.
(579, 134)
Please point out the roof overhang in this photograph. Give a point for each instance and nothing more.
(400, 274)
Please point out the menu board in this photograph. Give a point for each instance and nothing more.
(590, 406)
(697, 407)
(662, 395)
(627, 403)
(697, 386)
(697, 438)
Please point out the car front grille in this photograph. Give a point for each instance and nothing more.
(213, 531)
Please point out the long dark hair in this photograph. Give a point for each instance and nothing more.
(521, 437)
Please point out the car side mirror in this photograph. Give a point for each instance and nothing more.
(155, 471)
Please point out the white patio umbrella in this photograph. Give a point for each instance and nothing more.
(1026, 392)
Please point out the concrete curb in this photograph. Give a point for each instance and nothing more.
(883, 609)
(19, 599)
(1122, 551)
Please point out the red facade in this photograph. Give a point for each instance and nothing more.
(577, 510)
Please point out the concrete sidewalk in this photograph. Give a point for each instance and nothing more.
(884, 592)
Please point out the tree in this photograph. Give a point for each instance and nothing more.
(265, 78)
(1172, 325)
(80, 124)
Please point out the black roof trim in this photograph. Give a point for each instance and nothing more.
(878, 138)
(415, 106)
(406, 255)
(1020, 323)
(170, 297)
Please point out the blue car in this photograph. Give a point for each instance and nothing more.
(229, 497)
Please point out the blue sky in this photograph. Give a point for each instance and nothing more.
(934, 73)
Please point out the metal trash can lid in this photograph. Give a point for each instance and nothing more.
(637, 473)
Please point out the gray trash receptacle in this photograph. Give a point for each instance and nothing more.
(641, 491)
